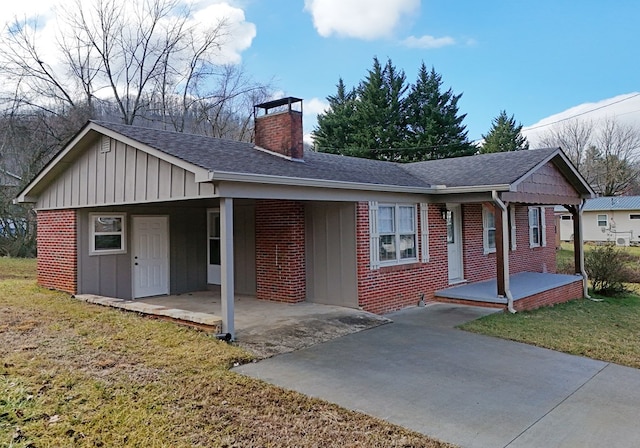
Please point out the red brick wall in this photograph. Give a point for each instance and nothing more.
(281, 133)
(280, 245)
(391, 288)
(57, 250)
(478, 266)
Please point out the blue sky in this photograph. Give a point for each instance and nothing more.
(533, 59)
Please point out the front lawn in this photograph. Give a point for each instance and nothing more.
(607, 329)
(74, 374)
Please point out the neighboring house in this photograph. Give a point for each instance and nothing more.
(606, 219)
(129, 212)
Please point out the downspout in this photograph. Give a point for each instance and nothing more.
(505, 249)
(583, 272)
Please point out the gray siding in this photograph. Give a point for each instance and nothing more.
(244, 248)
(331, 253)
(110, 275)
(123, 175)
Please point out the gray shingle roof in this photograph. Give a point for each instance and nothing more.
(484, 169)
(240, 157)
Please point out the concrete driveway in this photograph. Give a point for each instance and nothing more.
(475, 391)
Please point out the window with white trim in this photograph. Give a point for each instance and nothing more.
(537, 227)
(603, 220)
(488, 230)
(396, 225)
(634, 216)
(107, 233)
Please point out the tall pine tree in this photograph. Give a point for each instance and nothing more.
(435, 127)
(504, 135)
(384, 114)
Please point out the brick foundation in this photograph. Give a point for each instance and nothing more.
(553, 296)
(280, 246)
(57, 250)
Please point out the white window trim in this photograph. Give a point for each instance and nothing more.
(514, 233)
(606, 220)
(486, 213)
(92, 234)
(634, 216)
(374, 235)
(541, 224)
(424, 232)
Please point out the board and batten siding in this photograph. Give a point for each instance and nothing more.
(110, 172)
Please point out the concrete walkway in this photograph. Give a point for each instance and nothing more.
(472, 390)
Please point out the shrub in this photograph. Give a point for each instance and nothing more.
(605, 266)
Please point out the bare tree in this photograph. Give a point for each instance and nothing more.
(573, 137)
(606, 152)
(618, 147)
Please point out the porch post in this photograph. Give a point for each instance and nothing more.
(500, 276)
(226, 265)
(578, 244)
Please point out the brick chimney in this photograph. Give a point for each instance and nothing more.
(278, 126)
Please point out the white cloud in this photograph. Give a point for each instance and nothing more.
(239, 32)
(315, 106)
(428, 42)
(362, 19)
(623, 108)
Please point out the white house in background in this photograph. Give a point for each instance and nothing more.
(606, 219)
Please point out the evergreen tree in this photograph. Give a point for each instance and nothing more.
(435, 128)
(334, 133)
(384, 113)
(504, 135)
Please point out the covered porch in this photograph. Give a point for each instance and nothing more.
(528, 290)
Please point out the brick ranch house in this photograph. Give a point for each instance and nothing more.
(129, 212)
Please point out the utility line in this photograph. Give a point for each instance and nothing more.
(582, 113)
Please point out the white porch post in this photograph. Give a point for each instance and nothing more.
(226, 265)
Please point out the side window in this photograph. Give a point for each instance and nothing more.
(393, 233)
(537, 237)
(603, 220)
(488, 230)
(107, 233)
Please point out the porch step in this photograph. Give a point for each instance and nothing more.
(209, 323)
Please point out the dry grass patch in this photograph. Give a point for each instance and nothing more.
(608, 330)
(74, 374)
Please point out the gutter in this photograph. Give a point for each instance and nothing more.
(505, 250)
(583, 272)
(323, 183)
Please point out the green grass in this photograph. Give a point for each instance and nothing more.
(608, 330)
(79, 375)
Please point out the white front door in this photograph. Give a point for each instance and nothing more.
(213, 251)
(150, 256)
(454, 242)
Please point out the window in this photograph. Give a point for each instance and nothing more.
(634, 216)
(537, 227)
(567, 218)
(488, 230)
(602, 220)
(108, 233)
(397, 233)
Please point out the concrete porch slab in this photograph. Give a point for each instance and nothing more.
(523, 285)
(262, 327)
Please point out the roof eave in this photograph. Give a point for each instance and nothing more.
(317, 183)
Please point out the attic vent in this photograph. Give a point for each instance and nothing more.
(105, 145)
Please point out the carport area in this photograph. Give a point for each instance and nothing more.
(475, 391)
(265, 328)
